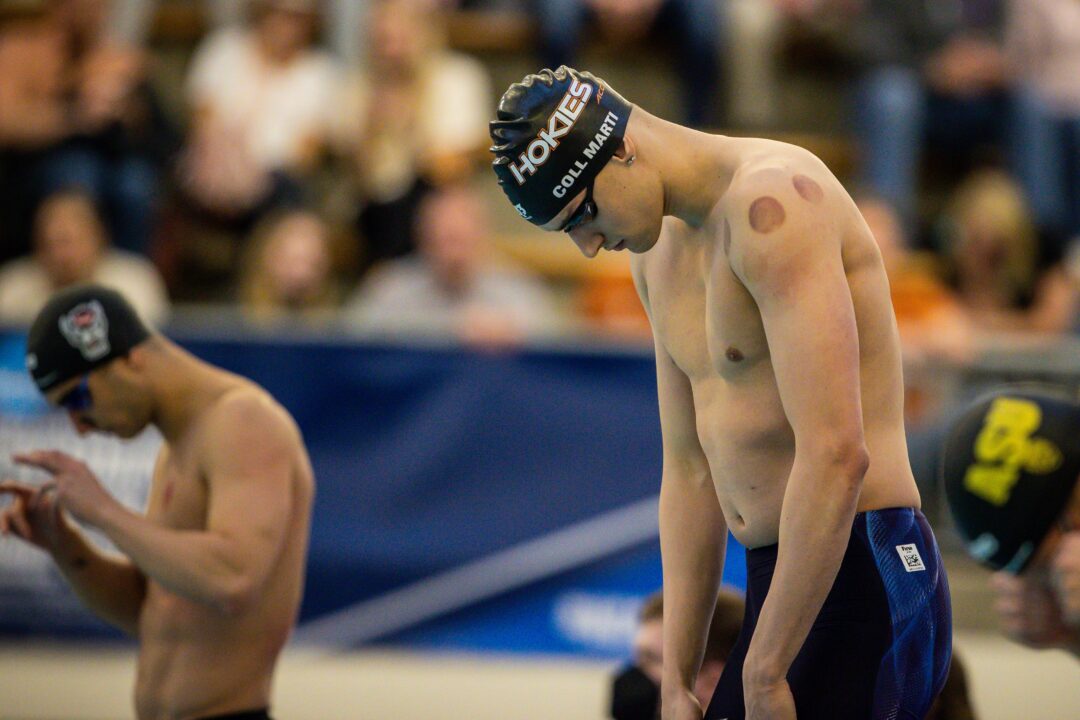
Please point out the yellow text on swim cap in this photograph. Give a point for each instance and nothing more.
(1004, 448)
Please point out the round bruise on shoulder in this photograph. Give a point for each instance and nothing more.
(766, 214)
(807, 188)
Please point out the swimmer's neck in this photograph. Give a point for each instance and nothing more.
(183, 388)
(695, 168)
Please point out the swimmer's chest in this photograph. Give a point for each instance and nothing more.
(705, 318)
(178, 495)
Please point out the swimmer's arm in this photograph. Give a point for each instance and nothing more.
(248, 464)
(109, 585)
(796, 274)
(693, 533)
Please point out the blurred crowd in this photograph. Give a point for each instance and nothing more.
(325, 162)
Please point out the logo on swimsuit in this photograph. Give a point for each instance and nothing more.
(909, 555)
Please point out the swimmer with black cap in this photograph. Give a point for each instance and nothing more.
(1011, 470)
(781, 399)
(210, 577)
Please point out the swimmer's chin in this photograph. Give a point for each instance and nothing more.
(123, 433)
(640, 246)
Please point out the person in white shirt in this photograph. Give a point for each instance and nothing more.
(261, 98)
(413, 117)
(70, 248)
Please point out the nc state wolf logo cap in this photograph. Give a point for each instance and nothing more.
(80, 329)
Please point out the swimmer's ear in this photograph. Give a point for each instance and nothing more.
(136, 358)
(626, 150)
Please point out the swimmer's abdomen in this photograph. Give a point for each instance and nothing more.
(193, 658)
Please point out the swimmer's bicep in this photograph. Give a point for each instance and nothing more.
(795, 273)
(250, 496)
(814, 347)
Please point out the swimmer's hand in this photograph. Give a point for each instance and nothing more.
(1029, 610)
(680, 705)
(768, 700)
(77, 489)
(32, 515)
(1065, 578)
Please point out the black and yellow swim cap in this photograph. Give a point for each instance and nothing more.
(80, 329)
(1009, 466)
(553, 134)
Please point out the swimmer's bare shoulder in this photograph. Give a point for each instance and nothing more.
(249, 419)
(781, 194)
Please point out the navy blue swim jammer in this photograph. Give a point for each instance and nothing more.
(262, 714)
(880, 647)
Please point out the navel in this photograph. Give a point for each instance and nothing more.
(807, 188)
(766, 214)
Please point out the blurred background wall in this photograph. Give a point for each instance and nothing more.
(293, 185)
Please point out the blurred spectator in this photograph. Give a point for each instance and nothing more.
(954, 702)
(134, 20)
(695, 26)
(71, 247)
(990, 239)
(77, 109)
(289, 270)
(261, 99)
(451, 285)
(1043, 46)
(753, 53)
(415, 117)
(933, 74)
(636, 690)
(933, 324)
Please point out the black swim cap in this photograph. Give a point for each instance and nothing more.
(80, 329)
(1009, 467)
(554, 133)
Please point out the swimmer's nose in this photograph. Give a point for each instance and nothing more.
(588, 243)
(82, 425)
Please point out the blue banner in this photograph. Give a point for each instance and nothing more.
(465, 500)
